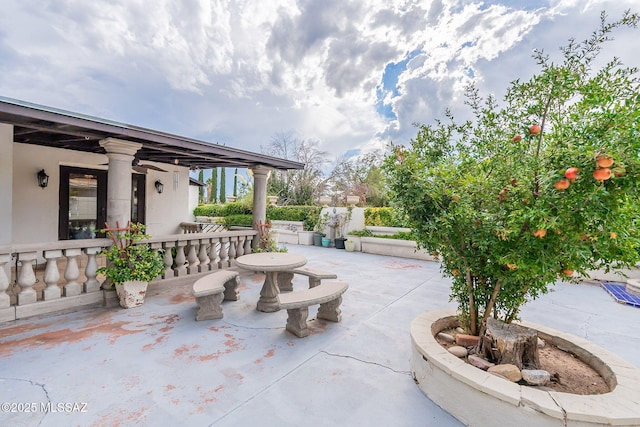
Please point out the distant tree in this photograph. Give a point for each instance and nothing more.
(201, 189)
(360, 176)
(212, 186)
(235, 183)
(223, 185)
(297, 187)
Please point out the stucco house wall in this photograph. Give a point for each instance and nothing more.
(32, 215)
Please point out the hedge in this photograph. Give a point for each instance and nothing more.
(382, 217)
(307, 214)
(239, 220)
(235, 208)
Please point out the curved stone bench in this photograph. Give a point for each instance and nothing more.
(328, 295)
(211, 289)
(491, 401)
(315, 276)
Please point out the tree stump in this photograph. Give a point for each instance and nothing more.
(509, 343)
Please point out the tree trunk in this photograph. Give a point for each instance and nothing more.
(509, 343)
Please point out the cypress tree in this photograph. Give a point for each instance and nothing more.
(235, 183)
(201, 189)
(223, 197)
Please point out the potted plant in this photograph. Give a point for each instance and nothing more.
(318, 230)
(131, 265)
(342, 222)
(540, 188)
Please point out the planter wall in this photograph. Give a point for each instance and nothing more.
(305, 238)
(393, 247)
(385, 231)
(493, 401)
(287, 230)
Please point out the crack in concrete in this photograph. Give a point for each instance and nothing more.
(367, 362)
(36, 384)
(564, 413)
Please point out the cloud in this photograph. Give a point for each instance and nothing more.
(239, 72)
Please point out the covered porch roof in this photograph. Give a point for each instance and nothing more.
(45, 126)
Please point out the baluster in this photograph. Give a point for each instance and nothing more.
(202, 255)
(52, 275)
(192, 257)
(247, 245)
(240, 246)
(5, 299)
(213, 253)
(232, 248)
(27, 278)
(223, 253)
(168, 259)
(72, 272)
(91, 284)
(181, 268)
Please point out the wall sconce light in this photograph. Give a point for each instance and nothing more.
(159, 186)
(43, 179)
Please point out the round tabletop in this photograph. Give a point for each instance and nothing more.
(270, 261)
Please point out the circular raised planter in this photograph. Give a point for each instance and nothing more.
(478, 398)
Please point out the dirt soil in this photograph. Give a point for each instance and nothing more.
(568, 373)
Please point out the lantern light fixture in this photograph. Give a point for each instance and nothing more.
(159, 186)
(43, 179)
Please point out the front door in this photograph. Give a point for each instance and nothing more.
(83, 202)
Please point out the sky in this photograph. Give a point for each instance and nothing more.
(351, 75)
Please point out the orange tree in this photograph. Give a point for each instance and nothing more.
(540, 187)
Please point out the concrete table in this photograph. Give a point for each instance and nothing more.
(271, 263)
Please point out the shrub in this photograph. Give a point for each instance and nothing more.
(235, 208)
(361, 233)
(382, 217)
(307, 214)
(523, 196)
(240, 220)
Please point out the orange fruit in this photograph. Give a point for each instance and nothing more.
(561, 185)
(602, 174)
(540, 233)
(604, 161)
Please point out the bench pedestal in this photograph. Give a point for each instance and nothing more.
(211, 290)
(297, 321)
(210, 306)
(328, 295)
(331, 310)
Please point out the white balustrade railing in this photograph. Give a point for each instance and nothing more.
(22, 284)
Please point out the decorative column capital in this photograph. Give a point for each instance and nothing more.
(120, 146)
(260, 170)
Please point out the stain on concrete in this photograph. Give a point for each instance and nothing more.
(49, 339)
(400, 265)
(20, 329)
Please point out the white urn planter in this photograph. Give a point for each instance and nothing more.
(353, 200)
(478, 398)
(131, 293)
(272, 200)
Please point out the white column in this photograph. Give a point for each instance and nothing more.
(260, 176)
(120, 154)
(6, 184)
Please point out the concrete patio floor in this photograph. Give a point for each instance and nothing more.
(155, 365)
